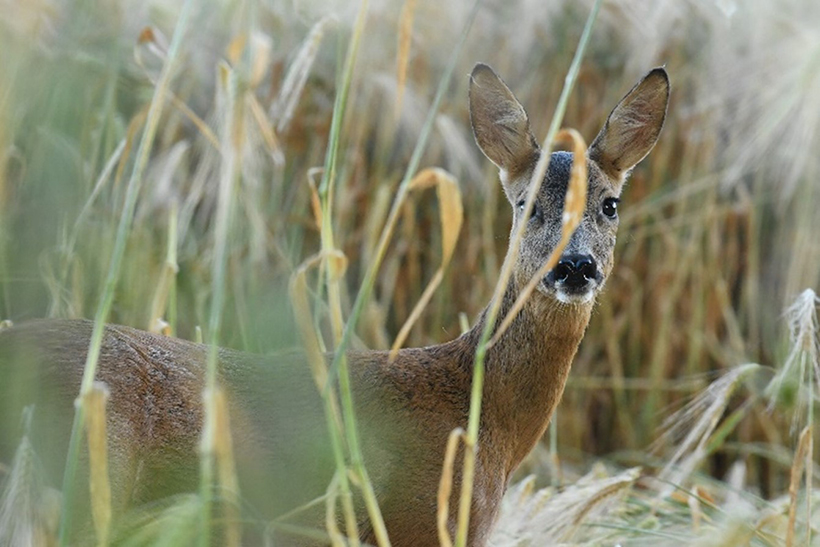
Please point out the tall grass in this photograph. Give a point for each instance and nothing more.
(717, 237)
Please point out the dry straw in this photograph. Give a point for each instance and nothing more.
(257, 47)
(95, 401)
(337, 539)
(312, 344)
(226, 465)
(550, 517)
(802, 456)
(160, 305)
(451, 216)
(303, 315)
(501, 286)
(801, 372)
(574, 207)
(333, 278)
(405, 36)
(152, 40)
(107, 297)
(446, 487)
(232, 141)
(690, 429)
(694, 281)
(285, 104)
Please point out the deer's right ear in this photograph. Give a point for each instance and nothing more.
(500, 124)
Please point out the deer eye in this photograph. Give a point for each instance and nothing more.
(610, 207)
(536, 212)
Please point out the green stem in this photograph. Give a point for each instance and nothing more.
(387, 232)
(326, 193)
(123, 229)
(471, 440)
(331, 412)
(232, 144)
(328, 184)
(340, 361)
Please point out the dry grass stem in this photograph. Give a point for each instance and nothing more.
(284, 106)
(108, 127)
(445, 487)
(336, 537)
(316, 360)
(574, 207)
(304, 317)
(156, 44)
(95, 402)
(697, 513)
(267, 130)
(118, 252)
(198, 122)
(511, 259)
(405, 37)
(451, 216)
(800, 372)
(258, 47)
(217, 440)
(547, 517)
(800, 459)
(690, 428)
(233, 141)
(226, 466)
(159, 304)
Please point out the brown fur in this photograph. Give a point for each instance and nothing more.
(406, 409)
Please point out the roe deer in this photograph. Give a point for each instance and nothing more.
(406, 408)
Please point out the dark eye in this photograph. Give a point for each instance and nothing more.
(610, 207)
(536, 212)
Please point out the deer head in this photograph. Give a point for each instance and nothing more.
(502, 131)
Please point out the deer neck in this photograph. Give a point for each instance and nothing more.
(526, 370)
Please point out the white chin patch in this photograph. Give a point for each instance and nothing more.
(574, 298)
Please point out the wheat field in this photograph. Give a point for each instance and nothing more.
(688, 418)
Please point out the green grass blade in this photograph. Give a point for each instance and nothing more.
(123, 229)
(387, 232)
(471, 439)
(326, 193)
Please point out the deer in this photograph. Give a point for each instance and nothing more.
(407, 405)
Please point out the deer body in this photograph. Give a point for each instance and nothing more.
(406, 408)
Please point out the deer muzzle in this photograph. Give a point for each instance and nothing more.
(575, 278)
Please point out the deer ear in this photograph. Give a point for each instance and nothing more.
(633, 127)
(500, 124)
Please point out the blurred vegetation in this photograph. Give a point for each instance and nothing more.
(718, 235)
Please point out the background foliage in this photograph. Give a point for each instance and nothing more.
(719, 231)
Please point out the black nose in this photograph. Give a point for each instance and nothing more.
(575, 270)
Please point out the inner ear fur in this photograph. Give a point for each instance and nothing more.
(633, 126)
(500, 124)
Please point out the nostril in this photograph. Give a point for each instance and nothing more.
(587, 268)
(563, 270)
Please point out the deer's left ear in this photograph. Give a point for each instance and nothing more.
(633, 127)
